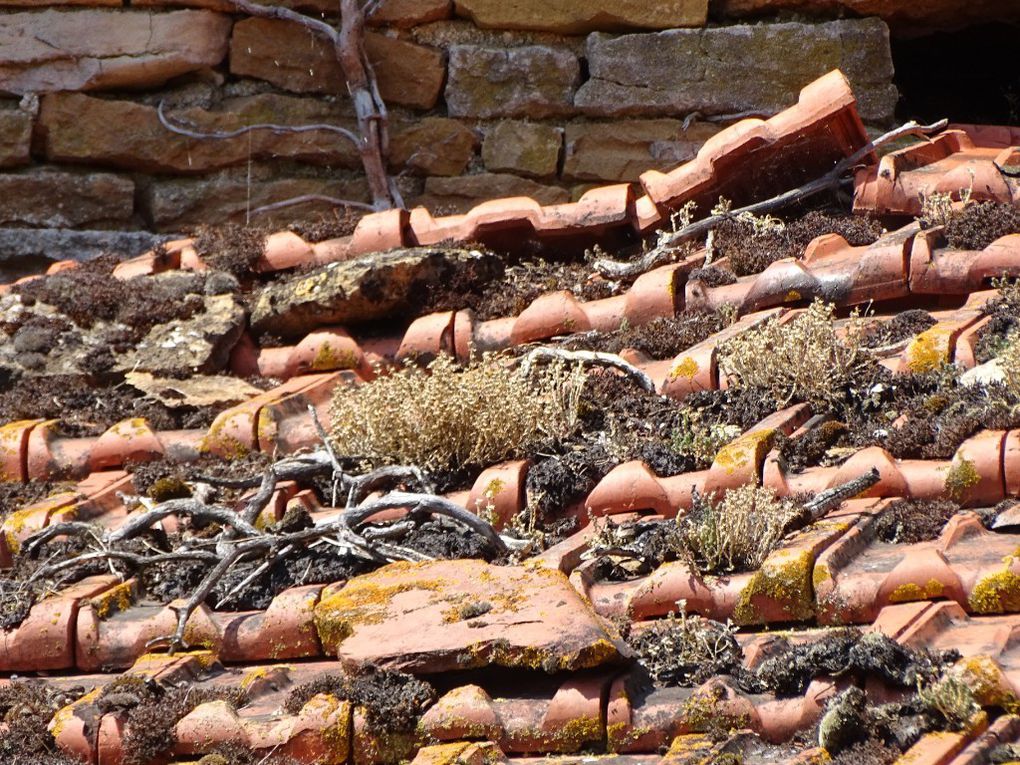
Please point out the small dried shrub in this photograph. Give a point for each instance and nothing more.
(446, 417)
(951, 700)
(803, 360)
(697, 437)
(687, 650)
(936, 209)
(1010, 363)
(978, 225)
(736, 534)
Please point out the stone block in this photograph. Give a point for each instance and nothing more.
(622, 150)
(76, 128)
(464, 192)
(581, 16)
(530, 81)
(15, 137)
(906, 18)
(175, 204)
(58, 200)
(433, 146)
(45, 51)
(409, 13)
(523, 148)
(732, 69)
(292, 58)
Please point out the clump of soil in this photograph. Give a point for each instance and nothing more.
(1004, 311)
(26, 708)
(231, 247)
(15, 495)
(871, 751)
(978, 225)
(810, 448)
(508, 293)
(687, 651)
(89, 293)
(393, 701)
(904, 325)
(752, 253)
(713, 276)
(743, 407)
(560, 481)
(337, 223)
(914, 520)
(661, 338)
(155, 712)
(791, 667)
(86, 410)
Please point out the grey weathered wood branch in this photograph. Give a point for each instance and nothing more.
(372, 137)
(664, 249)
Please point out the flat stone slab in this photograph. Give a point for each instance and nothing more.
(464, 614)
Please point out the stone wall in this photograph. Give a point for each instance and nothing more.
(488, 98)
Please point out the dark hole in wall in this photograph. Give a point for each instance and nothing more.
(969, 76)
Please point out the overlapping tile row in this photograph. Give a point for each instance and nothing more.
(952, 163)
(901, 264)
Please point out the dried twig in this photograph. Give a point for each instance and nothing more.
(667, 244)
(587, 358)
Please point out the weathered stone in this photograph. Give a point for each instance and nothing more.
(464, 192)
(622, 150)
(199, 390)
(175, 204)
(739, 68)
(199, 344)
(446, 34)
(355, 291)
(15, 137)
(416, 617)
(291, 57)
(531, 81)
(580, 16)
(409, 13)
(57, 199)
(76, 128)
(26, 251)
(525, 148)
(433, 146)
(42, 51)
(906, 18)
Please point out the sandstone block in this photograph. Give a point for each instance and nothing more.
(58, 200)
(530, 81)
(524, 148)
(622, 150)
(464, 192)
(43, 51)
(15, 137)
(433, 146)
(581, 16)
(738, 68)
(408, 13)
(178, 203)
(290, 57)
(907, 18)
(76, 128)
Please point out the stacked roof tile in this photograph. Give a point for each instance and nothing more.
(528, 661)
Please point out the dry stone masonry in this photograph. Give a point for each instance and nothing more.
(487, 99)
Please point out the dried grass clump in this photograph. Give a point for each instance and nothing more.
(1009, 360)
(687, 650)
(736, 534)
(803, 360)
(445, 417)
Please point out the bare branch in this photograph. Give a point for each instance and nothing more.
(188, 508)
(302, 198)
(588, 358)
(271, 126)
(831, 180)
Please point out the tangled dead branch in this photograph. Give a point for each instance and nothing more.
(239, 538)
(668, 243)
(372, 137)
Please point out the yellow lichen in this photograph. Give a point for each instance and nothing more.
(928, 351)
(328, 358)
(961, 477)
(784, 581)
(115, 600)
(997, 593)
(218, 442)
(749, 449)
(685, 367)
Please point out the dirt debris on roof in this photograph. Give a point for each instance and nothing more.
(760, 510)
